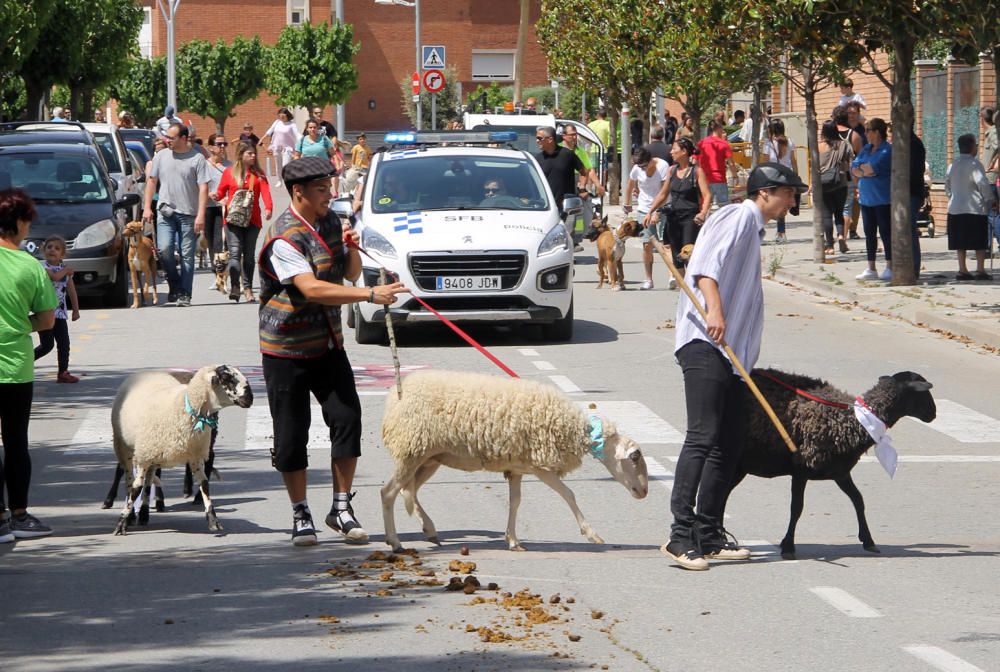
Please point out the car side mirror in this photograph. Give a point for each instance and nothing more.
(129, 200)
(343, 207)
(572, 206)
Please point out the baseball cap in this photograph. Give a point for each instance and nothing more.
(306, 169)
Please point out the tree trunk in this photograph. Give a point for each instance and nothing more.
(694, 111)
(755, 119)
(902, 128)
(522, 36)
(820, 214)
(36, 98)
(85, 101)
(614, 163)
(220, 125)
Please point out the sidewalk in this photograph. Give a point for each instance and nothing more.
(968, 310)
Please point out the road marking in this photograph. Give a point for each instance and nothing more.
(565, 384)
(637, 421)
(940, 659)
(764, 550)
(528, 352)
(964, 424)
(844, 602)
(542, 365)
(93, 435)
(658, 473)
(260, 429)
(372, 393)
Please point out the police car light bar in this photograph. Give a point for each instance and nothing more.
(441, 137)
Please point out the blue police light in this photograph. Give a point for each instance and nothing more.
(503, 136)
(401, 138)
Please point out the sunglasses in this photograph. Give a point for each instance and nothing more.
(491, 190)
(642, 166)
(222, 144)
(541, 138)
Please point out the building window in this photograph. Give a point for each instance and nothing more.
(146, 33)
(298, 12)
(493, 65)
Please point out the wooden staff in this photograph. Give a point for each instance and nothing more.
(666, 255)
(392, 338)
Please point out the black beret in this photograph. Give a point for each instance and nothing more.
(306, 169)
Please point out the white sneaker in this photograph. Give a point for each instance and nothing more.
(869, 274)
(647, 285)
(886, 274)
(672, 283)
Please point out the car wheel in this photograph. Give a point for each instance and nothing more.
(561, 329)
(368, 333)
(117, 296)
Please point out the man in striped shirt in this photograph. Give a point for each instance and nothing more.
(725, 273)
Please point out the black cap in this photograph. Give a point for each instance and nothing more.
(306, 169)
(768, 175)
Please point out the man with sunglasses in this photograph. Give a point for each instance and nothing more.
(327, 129)
(560, 165)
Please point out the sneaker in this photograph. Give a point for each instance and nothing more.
(780, 238)
(843, 246)
(854, 236)
(647, 285)
(303, 530)
(724, 547)
(6, 535)
(868, 274)
(885, 275)
(347, 524)
(26, 526)
(672, 283)
(685, 555)
(578, 248)
(183, 301)
(66, 377)
(171, 296)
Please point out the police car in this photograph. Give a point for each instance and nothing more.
(468, 223)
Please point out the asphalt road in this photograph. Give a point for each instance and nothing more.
(172, 596)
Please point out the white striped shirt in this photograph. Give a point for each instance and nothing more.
(728, 251)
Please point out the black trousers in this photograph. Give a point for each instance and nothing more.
(331, 380)
(877, 223)
(15, 467)
(834, 198)
(58, 335)
(716, 431)
(213, 230)
(242, 242)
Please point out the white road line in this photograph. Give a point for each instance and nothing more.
(659, 474)
(93, 435)
(637, 421)
(764, 550)
(565, 384)
(528, 352)
(373, 393)
(940, 659)
(964, 424)
(260, 430)
(844, 602)
(542, 365)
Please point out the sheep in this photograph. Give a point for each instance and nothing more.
(159, 422)
(830, 440)
(477, 422)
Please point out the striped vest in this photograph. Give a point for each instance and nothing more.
(290, 326)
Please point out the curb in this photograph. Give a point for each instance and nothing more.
(826, 288)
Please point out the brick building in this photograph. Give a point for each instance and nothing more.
(480, 37)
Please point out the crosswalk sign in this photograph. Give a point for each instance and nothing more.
(433, 57)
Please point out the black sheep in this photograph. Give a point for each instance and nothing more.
(830, 440)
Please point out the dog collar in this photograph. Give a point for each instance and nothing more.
(596, 437)
(201, 421)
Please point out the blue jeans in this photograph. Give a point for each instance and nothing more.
(720, 192)
(167, 231)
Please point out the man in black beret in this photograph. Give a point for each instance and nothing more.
(303, 264)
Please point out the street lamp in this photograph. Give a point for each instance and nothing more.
(416, 6)
(169, 10)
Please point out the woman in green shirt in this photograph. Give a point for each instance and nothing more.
(313, 144)
(27, 304)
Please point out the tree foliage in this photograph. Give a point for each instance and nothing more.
(58, 51)
(212, 79)
(13, 98)
(448, 103)
(143, 89)
(313, 65)
(21, 24)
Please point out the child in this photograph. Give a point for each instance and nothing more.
(62, 277)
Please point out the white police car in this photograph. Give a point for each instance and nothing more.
(471, 227)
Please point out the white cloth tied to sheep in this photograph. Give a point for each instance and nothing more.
(884, 451)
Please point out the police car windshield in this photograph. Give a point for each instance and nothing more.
(404, 183)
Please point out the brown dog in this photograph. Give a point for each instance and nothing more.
(201, 255)
(142, 264)
(220, 266)
(611, 250)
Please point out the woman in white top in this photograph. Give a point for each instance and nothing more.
(281, 139)
(970, 197)
(780, 149)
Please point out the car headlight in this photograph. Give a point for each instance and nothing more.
(373, 241)
(98, 234)
(554, 240)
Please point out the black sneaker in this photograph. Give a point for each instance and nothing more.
(346, 523)
(171, 296)
(183, 300)
(303, 530)
(685, 555)
(6, 535)
(26, 526)
(724, 546)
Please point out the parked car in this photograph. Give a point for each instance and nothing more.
(143, 135)
(117, 158)
(75, 198)
(502, 257)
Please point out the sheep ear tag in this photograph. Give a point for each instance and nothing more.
(884, 451)
(596, 437)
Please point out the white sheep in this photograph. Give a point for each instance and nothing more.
(159, 422)
(476, 422)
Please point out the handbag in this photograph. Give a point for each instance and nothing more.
(240, 207)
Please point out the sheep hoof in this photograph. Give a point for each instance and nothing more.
(397, 548)
(120, 527)
(872, 548)
(595, 539)
(517, 547)
(434, 540)
(108, 503)
(160, 506)
(144, 515)
(788, 555)
(131, 517)
(213, 522)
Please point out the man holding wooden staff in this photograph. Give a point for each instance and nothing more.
(725, 276)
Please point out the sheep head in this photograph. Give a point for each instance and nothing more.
(913, 394)
(231, 387)
(620, 455)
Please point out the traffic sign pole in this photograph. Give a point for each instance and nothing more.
(434, 111)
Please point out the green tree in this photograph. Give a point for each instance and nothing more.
(212, 79)
(21, 24)
(485, 99)
(980, 35)
(447, 101)
(143, 89)
(58, 51)
(13, 98)
(313, 65)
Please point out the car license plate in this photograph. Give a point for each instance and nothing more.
(466, 283)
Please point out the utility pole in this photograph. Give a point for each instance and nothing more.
(168, 8)
(338, 14)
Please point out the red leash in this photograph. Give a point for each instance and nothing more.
(803, 393)
(451, 325)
